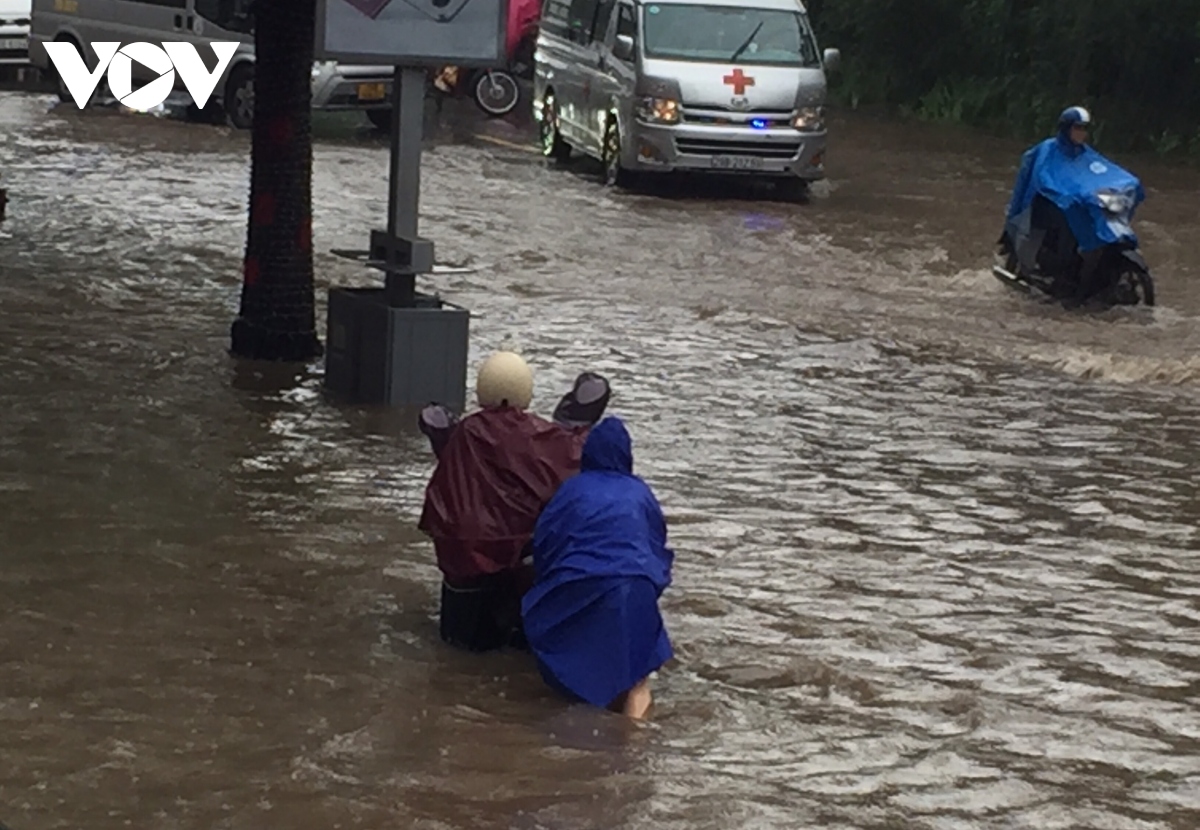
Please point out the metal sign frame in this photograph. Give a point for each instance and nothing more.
(399, 57)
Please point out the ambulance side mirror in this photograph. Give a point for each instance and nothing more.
(623, 48)
(833, 60)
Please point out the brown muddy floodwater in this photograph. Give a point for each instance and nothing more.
(938, 564)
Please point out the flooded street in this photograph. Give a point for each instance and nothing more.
(937, 545)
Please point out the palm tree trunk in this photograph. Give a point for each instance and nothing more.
(277, 320)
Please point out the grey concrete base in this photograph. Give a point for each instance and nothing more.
(376, 354)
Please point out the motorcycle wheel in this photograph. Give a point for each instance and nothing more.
(496, 93)
(381, 119)
(1134, 286)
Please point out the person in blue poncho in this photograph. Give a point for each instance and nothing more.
(601, 563)
(1050, 210)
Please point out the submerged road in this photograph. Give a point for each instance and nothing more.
(936, 543)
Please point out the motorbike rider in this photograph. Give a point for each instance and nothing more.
(1071, 141)
(521, 36)
(519, 43)
(1073, 126)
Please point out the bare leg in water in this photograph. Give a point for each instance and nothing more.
(636, 702)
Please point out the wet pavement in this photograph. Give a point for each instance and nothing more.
(936, 543)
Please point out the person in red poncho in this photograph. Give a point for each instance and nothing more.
(497, 468)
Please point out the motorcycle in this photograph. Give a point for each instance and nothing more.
(495, 91)
(1060, 203)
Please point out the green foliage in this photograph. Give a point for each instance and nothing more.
(1011, 66)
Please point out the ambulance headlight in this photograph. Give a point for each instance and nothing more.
(659, 110)
(810, 120)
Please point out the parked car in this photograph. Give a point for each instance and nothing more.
(15, 16)
(83, 22)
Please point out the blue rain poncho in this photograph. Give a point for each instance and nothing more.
(601, 563)
(1071, 176)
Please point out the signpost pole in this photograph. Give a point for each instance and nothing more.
(404, 179)
(391, 344)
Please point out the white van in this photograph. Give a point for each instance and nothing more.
(83, 22)
(14, 32)
(649, 86)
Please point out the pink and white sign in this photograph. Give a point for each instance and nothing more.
(371, 8)
(412, 32)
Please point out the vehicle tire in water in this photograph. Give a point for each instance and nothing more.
(496, 93)
(213, 113)
(239, 98)
(791, 189)
(1132, 286)
(553, 145)
(1140, 283)
(381, 119)
(1147, 286)
(614, 174)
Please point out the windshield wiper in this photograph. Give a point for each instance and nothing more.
(746, 45)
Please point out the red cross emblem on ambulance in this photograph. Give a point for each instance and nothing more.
(739, 81)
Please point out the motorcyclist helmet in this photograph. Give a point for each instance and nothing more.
(1074, 117)
(505, 379)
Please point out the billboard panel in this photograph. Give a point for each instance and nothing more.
(412, 32)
